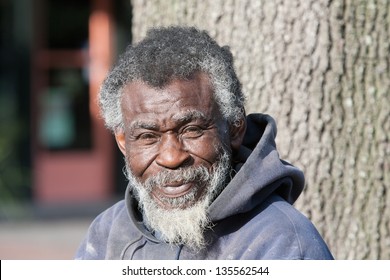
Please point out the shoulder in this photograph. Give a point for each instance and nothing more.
(116, 211)
(292, 233)
(274, 230)
(103, 223)
(102, 229)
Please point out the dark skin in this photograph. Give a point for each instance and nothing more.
(172, 127)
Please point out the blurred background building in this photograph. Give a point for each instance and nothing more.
(56, 158)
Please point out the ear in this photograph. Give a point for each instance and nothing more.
(237, 133)
(121, 141)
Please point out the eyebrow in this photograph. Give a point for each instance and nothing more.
(143, 125)
(190, 115)
(181, 118)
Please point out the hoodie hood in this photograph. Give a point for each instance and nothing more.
(259, 173)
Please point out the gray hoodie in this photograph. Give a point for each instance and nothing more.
(253, 217)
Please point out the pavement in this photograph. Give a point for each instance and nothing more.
(36, 231)
(45, 239)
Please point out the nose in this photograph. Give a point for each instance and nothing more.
(172, 154)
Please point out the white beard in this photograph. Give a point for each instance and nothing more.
(178, 224)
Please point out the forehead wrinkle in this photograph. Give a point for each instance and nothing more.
(189, 116)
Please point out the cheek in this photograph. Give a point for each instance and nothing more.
(204, 150)
(139, 160)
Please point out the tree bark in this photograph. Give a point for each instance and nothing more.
(321, 68)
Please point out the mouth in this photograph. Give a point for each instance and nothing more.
(173, 190)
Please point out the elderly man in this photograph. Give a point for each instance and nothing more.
(205, 181)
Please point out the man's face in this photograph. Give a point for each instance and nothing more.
(171, 129)
(178, 154)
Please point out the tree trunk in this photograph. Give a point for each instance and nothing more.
(321, 68)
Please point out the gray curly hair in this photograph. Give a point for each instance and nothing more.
(173, 52)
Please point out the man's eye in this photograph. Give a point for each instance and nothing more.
(192, 132)
(148, 137)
